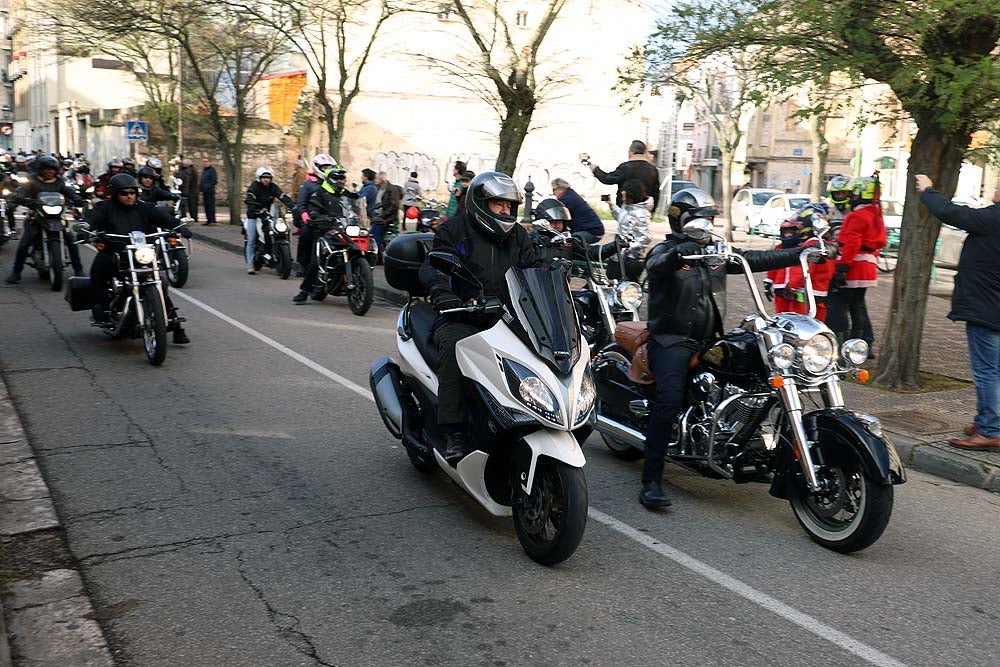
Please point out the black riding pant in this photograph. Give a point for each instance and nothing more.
(670, 366)
(307, 241)
(102, 273)
(27, 238)
(451, 399)
(847, 314)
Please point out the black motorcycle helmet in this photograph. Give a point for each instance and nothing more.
(128, 165)
(47, 162)
(121, 182)
(147, 172)
(552, 210)
(493, 185)
(690, 203)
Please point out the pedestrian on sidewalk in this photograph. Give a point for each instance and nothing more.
(976, 301)
(386, 211)
(638, 166)
(456, 171)
(584, 222)
(209, 179)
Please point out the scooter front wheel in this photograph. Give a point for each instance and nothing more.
(551, 519)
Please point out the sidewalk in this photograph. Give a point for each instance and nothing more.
(919, 424)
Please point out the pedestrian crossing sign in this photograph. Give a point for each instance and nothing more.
(136, 130)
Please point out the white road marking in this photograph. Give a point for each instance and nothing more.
(733, 585)
(241, 433)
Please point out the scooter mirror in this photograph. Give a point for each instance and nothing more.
(445, 262)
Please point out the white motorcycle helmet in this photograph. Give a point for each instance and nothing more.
(264, 171)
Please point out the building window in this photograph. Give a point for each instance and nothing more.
(522, 19)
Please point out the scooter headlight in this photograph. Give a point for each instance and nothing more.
(145, 255)
(854, 351)
(531, 391)
(629, 295)
(818, 353)
(280, 226)
(782, 356)
(585, 398)
(52, 210)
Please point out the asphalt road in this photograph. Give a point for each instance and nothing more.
(244, 505)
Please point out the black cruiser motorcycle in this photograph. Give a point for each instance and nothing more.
(764, 402)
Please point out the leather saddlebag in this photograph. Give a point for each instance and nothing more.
(633, 336)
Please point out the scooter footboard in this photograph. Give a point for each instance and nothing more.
(557, 445)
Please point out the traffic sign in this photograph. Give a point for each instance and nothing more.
(136, 130)
(6, 129)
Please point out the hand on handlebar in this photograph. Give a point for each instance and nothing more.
(185, 232)
(689, 248)
(444, 299)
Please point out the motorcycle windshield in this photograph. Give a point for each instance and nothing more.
(545, 317)
(50, 199)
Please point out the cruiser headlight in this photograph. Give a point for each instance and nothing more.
(782, 356)
(818, 353)
(854, 351)
(585, 398)
(629, 295)
(51, 210)
(145, 255)
(280, 226)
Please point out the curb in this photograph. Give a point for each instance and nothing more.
(47, 620)
(933, 457)
(395, 297)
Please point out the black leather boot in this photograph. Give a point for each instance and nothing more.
(456, 446)
(652, 495)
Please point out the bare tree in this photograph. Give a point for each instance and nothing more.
(502, 73)
(335, 37)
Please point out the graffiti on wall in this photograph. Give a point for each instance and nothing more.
(398, 166)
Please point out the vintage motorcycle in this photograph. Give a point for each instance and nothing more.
(137, 304)
(528, 386)
(341, 255)
(49, 254)
(764, 402)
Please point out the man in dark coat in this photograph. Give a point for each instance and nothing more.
(585, 222)
(209, 179)
(637, 166)
(976, 301)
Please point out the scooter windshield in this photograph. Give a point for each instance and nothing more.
(545, 315)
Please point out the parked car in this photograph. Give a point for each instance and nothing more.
(779, 207)
(744, 212)
(677, 186)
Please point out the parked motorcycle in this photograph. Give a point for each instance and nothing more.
(137, 304)
(765, 400)
(49, 254)
(344, 269)
(428, 215)
(272, 247)
(528, 386)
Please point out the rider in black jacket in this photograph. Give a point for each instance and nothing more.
(121, 214)
(687, 307)
(151, 190)
(260, 195)
(45, 180)
(324, 210)
(489, 241)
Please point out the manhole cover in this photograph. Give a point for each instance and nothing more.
(920, 423)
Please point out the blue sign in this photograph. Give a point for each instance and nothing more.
(796, 152)
(136, 130)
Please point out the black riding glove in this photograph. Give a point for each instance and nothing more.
(688, 248)
(769, 291)
(185, 232)
(839, 278)
(445, 300)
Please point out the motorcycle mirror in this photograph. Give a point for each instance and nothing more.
(445, 262)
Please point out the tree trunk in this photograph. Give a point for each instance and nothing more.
(938, 154)
(329, 119)
(234, 183)
(821, 149)
(727, 193)
(513, 130)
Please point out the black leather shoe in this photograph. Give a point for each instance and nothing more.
(652, 495)
(180, 338)
(456, 447)
(13, 278)
(300, 297)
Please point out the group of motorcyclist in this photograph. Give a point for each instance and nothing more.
(687, 303)
(126, 202)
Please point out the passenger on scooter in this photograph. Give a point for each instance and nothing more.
(45, 180)
(687, 309)
(633, 222)
(325, 210)
(489, 241)
(261, 194)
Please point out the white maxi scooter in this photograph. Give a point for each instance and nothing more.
(528, 388)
